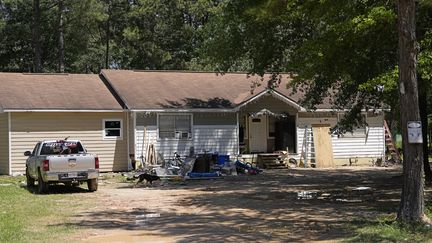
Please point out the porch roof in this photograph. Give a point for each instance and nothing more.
(172, 90)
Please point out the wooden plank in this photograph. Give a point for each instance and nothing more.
(323, 145)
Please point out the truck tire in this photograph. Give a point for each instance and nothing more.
(43, 187)
(92, 185)
(30, 180)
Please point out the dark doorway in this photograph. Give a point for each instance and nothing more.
(285, 136)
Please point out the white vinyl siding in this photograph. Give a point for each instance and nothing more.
(366, 143)
(4, 144)
(363, 143)
(372, 145)
(214, 138)
(30, 127)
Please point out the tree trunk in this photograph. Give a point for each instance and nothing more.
(61, 65)
(412, 201)
(422, 91)
(37, 60)
(107, 34)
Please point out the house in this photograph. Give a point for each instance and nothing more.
(192, 112)
(36, 107)
(121, 114)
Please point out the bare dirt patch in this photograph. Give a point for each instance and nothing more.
(276, 206)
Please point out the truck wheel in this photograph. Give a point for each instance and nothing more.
(92, 185)
(30, 180)
(43, 187)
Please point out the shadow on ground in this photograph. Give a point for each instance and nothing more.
(278, 205)
(58, 189)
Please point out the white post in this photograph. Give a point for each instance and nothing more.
(238, 133)
(10, 143)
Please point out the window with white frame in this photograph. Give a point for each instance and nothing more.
(112, 129)
(176, 126)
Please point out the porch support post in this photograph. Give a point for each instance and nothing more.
(10, 142)
(135, 133)
(296, 134)
(238, 133)
(129, 161)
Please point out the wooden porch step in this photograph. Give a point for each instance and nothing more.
(271, 161)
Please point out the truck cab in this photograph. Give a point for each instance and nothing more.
(61, 161)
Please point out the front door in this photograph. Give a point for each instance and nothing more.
(258, 134)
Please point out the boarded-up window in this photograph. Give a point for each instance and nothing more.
(175, 126)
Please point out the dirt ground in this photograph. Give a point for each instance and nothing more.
(276, 206)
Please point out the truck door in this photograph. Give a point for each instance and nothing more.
(32, 160)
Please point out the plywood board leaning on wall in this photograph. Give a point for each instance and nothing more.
(323, 145)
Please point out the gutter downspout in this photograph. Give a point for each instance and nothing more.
(129, 162)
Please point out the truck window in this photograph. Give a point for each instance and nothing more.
(36, 148)
(61, 147)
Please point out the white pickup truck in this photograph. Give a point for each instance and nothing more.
(64, 161)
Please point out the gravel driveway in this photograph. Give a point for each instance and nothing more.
(276, 206)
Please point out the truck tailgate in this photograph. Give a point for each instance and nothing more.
(75, 162)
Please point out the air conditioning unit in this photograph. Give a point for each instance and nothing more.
(186, 135)
(183, 135)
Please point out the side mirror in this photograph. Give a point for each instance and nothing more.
(27, 153)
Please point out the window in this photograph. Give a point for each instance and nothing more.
(35, 150)
(61, 147)
(112, 129)
(175, 126)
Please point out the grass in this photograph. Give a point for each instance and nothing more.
(28, 217)
(386, 229)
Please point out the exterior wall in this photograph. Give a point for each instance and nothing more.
(210, 132)
(4, 143)
(27, 128)
(218, 132)
(366, 143)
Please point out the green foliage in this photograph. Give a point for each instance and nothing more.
(425, 57)
(138, 34)
(15, 32)
(340, 49)
(249, 36)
